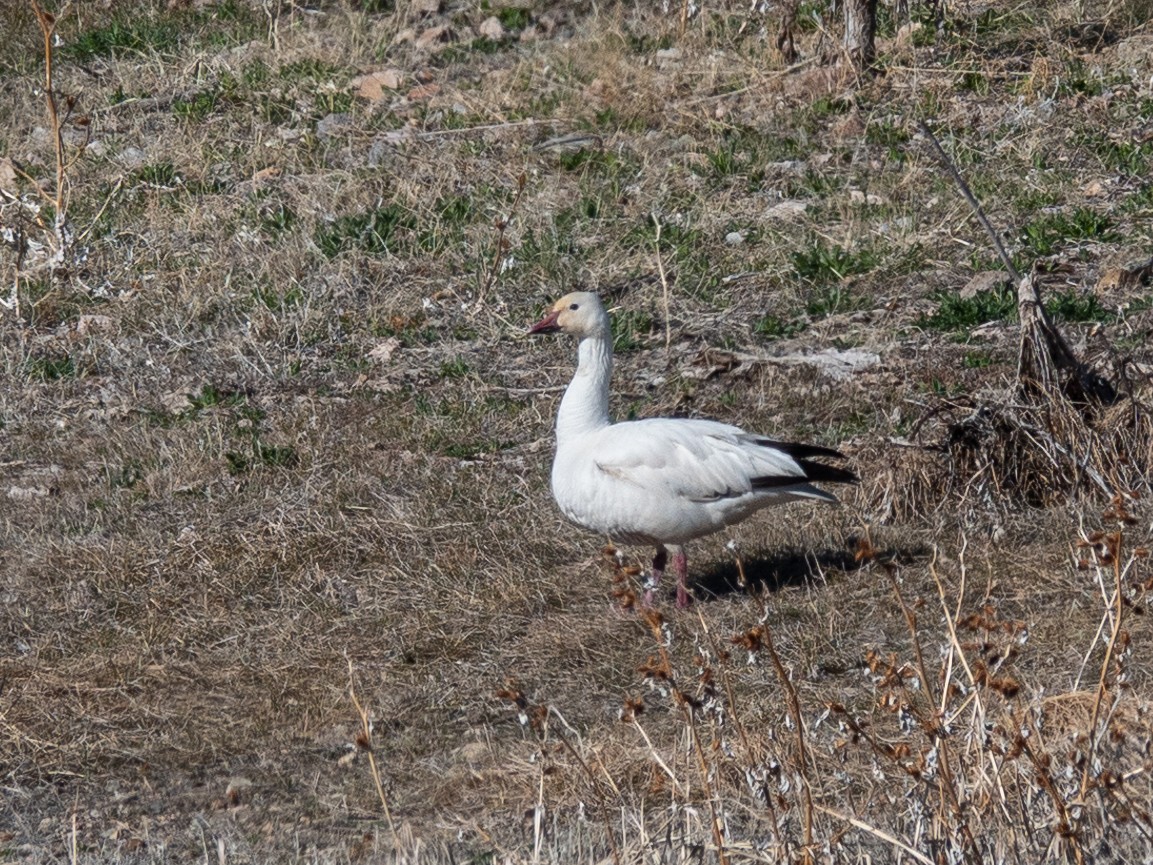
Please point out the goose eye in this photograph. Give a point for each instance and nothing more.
(575, 306)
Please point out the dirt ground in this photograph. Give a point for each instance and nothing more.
(281, 579)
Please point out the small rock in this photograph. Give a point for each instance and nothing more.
(841, 364)
(858, 197)
(982, 282)
(177, 402)
(473, 752)
(7, 175)
(24, 494)
(383, 352)
(735, 238)
(491, 28)
(332, 125)
(423, 92)
(1095, 189)
(379, 153)
(431, 37)
(132, 157)
(786, 210)
(88, 324)
(373, 85)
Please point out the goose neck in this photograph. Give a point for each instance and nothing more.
(585, 406)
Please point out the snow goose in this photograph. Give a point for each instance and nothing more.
(662, 481)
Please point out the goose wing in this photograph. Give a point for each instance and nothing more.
(704, 461)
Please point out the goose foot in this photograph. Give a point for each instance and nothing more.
(654, 580)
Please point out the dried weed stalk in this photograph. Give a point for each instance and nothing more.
(501, 246)
(990, 759)
(364, 743)
(60, 232)
(535, 716)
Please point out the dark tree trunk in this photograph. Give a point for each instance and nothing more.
(860, 33)
(785, 34)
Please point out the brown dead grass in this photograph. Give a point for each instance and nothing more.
(234, 466)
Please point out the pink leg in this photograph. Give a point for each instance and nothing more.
(681, 566)
(659, 562)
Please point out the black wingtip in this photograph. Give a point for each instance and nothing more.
(814, 473)
(800, 451)
(804, 455)
(826, 473)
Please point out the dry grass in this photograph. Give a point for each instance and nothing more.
(258, 431)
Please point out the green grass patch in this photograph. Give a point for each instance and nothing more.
(161, 174)
(50, 367)
(371, 231)
(745, 152)
(1078, 307)
(822, 264)
(977, 360)
(833, 299)
(1052, 232)
(772, 327)
(277, 299)
(134, 28)
(313, 70)
(630, 329)
(958, 314)
(455, 368)
(211, 396)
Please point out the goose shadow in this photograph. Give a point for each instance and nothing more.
(792, 567)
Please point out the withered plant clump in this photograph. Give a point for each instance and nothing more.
(1062, 428)
(1014, 449)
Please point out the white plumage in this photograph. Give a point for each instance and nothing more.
(661, 481)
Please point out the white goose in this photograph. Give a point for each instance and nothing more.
(661, 481)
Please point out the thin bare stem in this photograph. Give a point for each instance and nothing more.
(364, 742)
(947, 163)
(948, 786)
(1113, 545)
(878, 833)
(501, 250)
(595, 785)
(664, 283)
(794, 704)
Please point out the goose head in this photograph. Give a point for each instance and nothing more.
(580, 314)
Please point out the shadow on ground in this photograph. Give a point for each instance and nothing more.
(791, 568)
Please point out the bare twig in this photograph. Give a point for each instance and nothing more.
(501, 247)
(611, 835)
(364, 742)
(879, 833)
(664, 282)
(948, 165)
(794, 704)
(1112, 543)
